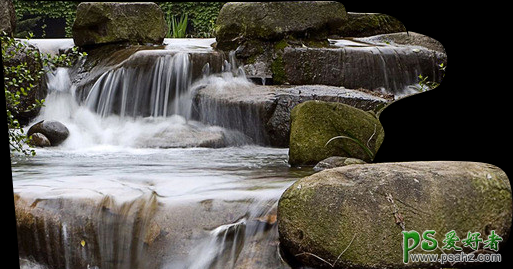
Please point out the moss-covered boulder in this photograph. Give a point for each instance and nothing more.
(369, 24)
(239, 22)
(315, 123)
(103, 23)
(354, 216)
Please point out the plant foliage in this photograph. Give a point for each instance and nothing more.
(177, 28)
(201, 15)
(20, 79)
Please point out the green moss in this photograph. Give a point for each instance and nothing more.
(351, 202)
(318, 43)
(278, 70)
(280, 45)
(314, 123)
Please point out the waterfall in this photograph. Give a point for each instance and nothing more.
(113, 195)
(143, 104)
(250, 240)
(100, 233)
(159, 91)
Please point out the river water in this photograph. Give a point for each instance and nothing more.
(249, 178)
(215, 207)
(138, 184)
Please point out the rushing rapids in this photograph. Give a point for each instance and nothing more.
(148, 180)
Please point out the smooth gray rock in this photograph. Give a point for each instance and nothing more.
(55, 131)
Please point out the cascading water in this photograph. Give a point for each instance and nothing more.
(161, 90)
(144, 182)
(111, 212)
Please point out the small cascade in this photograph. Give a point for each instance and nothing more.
(95, 233)
(113, 195)
(249, 241)
(215, 101)
(159, 91)
(145, 105)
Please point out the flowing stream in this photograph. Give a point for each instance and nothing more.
(133, 185)
(138, 183)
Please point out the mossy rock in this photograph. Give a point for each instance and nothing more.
(353, 216)
(103, 23)
(314, 123)
(369, 24)
(241, 21)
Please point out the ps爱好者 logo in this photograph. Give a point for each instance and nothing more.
(412, 239)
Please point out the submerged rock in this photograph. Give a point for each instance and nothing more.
(55, 131)
(239, 22)
(103, 23)
(336, 161)
(352, 216)
(315, 124)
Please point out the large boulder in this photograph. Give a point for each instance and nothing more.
(54, 131)
(7, 17)
(315, 123)
(239, 22)
(353, 216)
(103, 23)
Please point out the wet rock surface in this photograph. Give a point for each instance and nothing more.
(263, 112)
(144, 231)
(405, 39)
(54, 131)
(40, 140)
(353, 216)
(359, 65)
